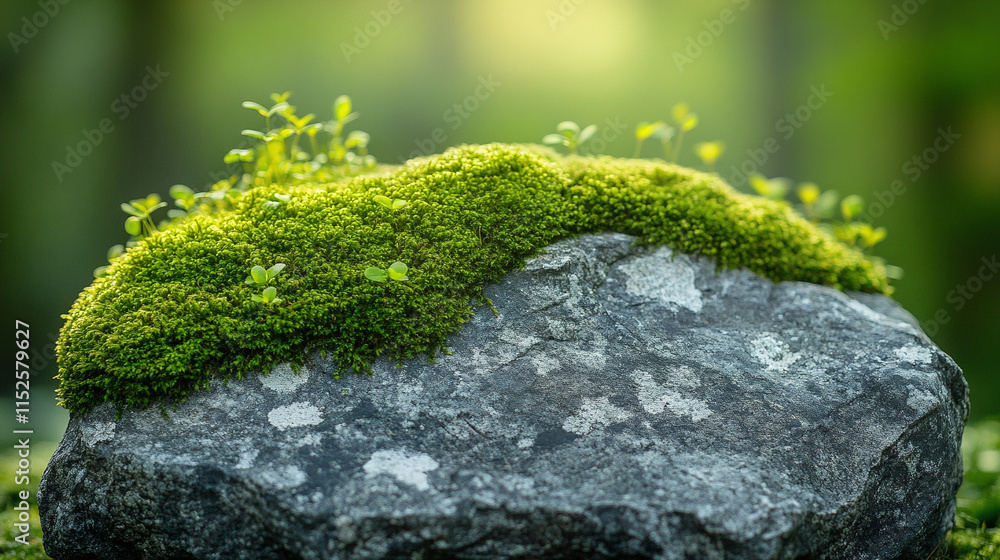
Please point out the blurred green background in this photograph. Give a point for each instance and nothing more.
(892, 74)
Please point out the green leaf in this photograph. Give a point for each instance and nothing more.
(133, 225)
(115, 251)
(258, 274)
(280, 97)
(175, 213)
(383, 200)
(269, 293)
(277, 108)
(644, 130)
(680, 112)
(357, 139)
(852, 206)
(375, 274)
(826, 205)
(808, 193)
(249, 280)
(275, 270)
(342, 107)
(256, 107)
(100, 271)
(254, 134)
(132, 210)
(553, 139)
(257, 298)
(276, 301)
(586, 133)
(181, 192)
(568, 128)
(399, 203)
(397, 271)
(689, 122)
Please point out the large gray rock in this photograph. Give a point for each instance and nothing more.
(624, 404)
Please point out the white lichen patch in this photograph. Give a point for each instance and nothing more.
(772, 353)
(544, 364)
(595, 413)
(288, 476)
(406, 467)
(661, 278)
(656, 399)
(295, 415)
(94, 432)
(283, 380)
(914, 354)
(247, 457)
(525, 443)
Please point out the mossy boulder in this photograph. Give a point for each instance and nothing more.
(174, 311)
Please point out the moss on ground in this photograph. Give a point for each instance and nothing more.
(174, 310)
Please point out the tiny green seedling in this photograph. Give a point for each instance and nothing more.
(570, 135)
(390, 203)
(277, 200)
(771, 189)
(261, 277)
(686, 121)
(140, 220)
(709, 152)
(644, 131)
(396, 271)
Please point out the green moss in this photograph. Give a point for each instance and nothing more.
(174, 310)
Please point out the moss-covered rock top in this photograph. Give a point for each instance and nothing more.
(175, 310)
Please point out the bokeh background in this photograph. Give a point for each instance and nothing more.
(871, 86)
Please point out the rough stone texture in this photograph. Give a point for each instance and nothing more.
(624, 404)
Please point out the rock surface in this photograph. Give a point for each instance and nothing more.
(626, 403)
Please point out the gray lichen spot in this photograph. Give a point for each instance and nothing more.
(774, 354)
(246, 458)
(914, 354)
(661, 278)
(288, 476)
(656, 399)
(98, 431)
(294, 415)
(283, 380)
(406, 467)
(594, 413)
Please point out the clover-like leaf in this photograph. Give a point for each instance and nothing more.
(587, 133)
(132, 210)
(383, 200)
(553, 139)
(397, 271)
(852, 206)
(256, 107)
(568, 128)
(269, 293)
(399, 203)
(275, 270)
(133, 225)
(342, 107)
(375, 274)
(258, 274)
(357, 139)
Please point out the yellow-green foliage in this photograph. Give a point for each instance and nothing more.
(174, 310)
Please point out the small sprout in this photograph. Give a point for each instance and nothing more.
(709, 152)
(254, 134)
(686, 121)
(396, 271)
(389, 203)
(808, 193)
(570, 135)
(133, 225)
(237, 154)
(771, 189)
(262, 277)
(376, 274)
(342, 110)
(851, 207)
(357, 139)
(826, 205)
(269, 296)
(278, 200)
(643, 131)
